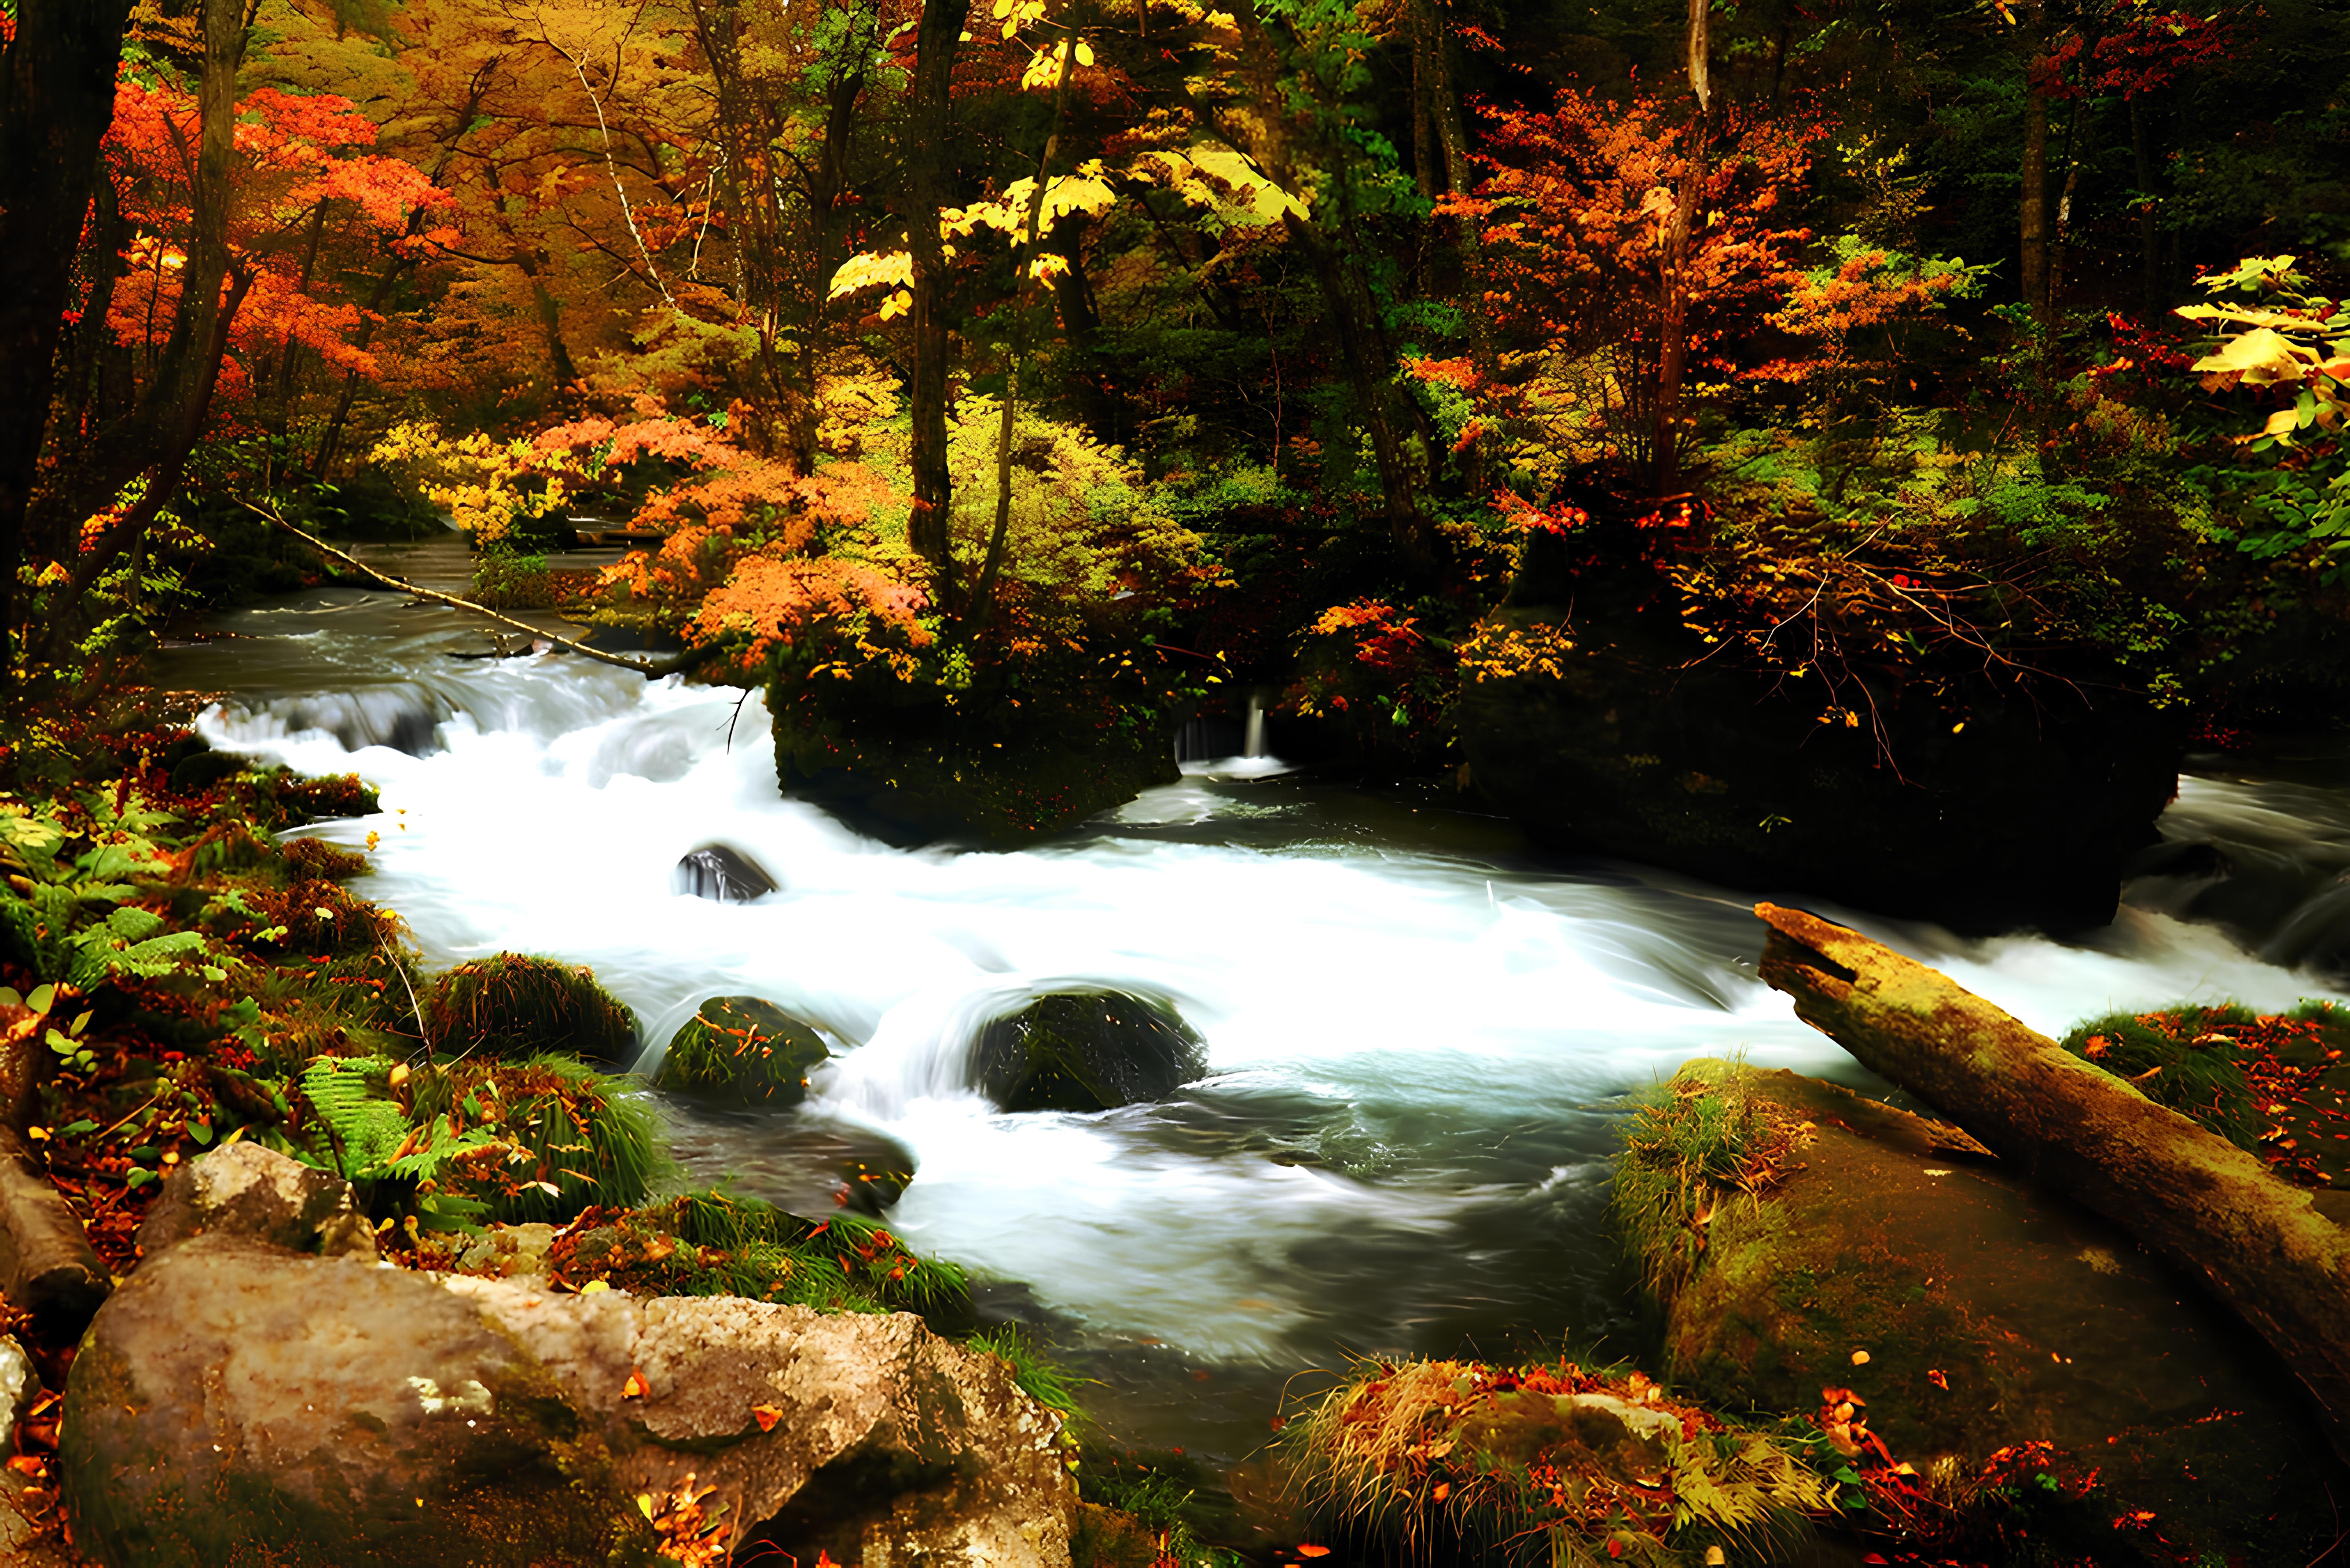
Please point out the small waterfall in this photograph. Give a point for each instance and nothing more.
(1253, 736)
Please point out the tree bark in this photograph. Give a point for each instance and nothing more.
(1672, 354)
(56, 100)
(929, 150)
(2258, 1242)
(2032, 214)
(2142, 165)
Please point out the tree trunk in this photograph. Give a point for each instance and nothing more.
(2032, 217)
(2142, 166)
(2257, 1243)
(1672, 354)
(928, 153)
(57, 99)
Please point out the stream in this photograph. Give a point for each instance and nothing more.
(1422, 1031)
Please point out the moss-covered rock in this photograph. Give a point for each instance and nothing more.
(1801, 1238)
(513, 1005)
(1981, 808)
(1003, 759)
(742, 1050)
(1086, 1051)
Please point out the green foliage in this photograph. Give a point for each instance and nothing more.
(1689, 1145)
(513, 1005)
(1047, 1381)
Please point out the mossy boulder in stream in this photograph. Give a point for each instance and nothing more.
(742, 1050)
(1980, 808)
(1086, 1051)
(1798, 1239)
(1006, 759)
(513, 1005)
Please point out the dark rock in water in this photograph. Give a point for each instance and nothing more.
(724, 874)
(240, 1404)
(2186, 860)
(246, 1190)
(1086, 1051)
(742, 1050)
(1647, 743)
(1005, 761)
(203, 768)
(874, 1172)
(236, 1404)
(1970, 1311)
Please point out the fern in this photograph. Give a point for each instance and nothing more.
(365, 1128)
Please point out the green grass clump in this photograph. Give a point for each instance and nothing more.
(563, 1137)
(1552, 1465)
(2157, 1053)
(1140, 1509)
(1047, 1381)
(716, 1243)
(1704, 1134)
(743, 1050)
(511, 1006)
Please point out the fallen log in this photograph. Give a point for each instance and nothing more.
(2258, 1242)
(46, 1265)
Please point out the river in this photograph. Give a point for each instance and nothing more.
(1422, 1031)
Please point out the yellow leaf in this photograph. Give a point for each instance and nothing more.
(644, 1503)
(634, 1388)
(2261, 356)
(1085, 53)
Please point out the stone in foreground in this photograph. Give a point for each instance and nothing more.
(235, 1402)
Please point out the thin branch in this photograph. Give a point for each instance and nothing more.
(651, 670)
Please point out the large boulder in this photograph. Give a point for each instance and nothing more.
(742, 1050)
(246, 1190)
(1015, 755)
(235, 1402)
(1086, 1051)
(1800, 1237)
(1982, 810)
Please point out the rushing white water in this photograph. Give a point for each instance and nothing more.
(1415, 1030)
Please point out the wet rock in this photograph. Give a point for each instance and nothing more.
(1026, 749)
(1086, 1051)
(2011, 811)
(742, 1050)
(240, 1404)
(246, 1190)
(1989, 1314)
(726, 875)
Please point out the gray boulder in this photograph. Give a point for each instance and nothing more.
(246, 1190)
(234, 1402)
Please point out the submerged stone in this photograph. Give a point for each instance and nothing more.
(1086, 1051)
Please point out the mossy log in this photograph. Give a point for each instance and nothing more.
(2259, 1243)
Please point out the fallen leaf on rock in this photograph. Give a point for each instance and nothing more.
(1860, 1358)
(767, 1415)
(634, 1388)
(1314, 1551)
(1934, 1374)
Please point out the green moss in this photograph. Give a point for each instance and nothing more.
(1694, 1139)
(513, 1005)
(1086, 1051)
(741, 1050)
